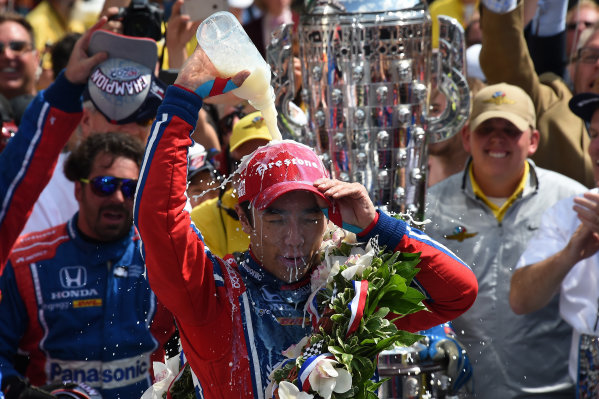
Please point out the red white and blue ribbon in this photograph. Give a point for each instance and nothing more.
(357, 304)
(215, 87)
(303, 382)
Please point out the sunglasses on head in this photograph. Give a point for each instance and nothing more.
(104, 186)
(16, 46)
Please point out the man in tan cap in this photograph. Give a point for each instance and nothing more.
(486, 215)
(216, 218)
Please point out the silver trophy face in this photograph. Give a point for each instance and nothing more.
(367, 72)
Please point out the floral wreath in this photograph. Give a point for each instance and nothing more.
(354, 289)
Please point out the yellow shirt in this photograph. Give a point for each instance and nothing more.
(452, 8)
(189, 48)
(499, 212)
(222, 233)
(50, 28)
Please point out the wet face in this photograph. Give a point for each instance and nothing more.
(594, 146)
(286, 236)
(18, 65)
(106, 218)
(586, 71)
(499, 150)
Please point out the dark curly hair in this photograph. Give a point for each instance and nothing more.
(79, 162)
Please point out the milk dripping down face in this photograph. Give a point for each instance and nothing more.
(285, 221)
(285, 237)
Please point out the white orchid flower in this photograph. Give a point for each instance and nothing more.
(164, 374)
(318, 278)
(333, 262)
(326, 379)
(288, 390)
(336, 260)
(327, 244)
(338, 236)
(361, 263)
(295, 351)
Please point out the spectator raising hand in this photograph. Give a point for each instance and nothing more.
(180, 30)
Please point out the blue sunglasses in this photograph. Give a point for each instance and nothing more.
(104, 186)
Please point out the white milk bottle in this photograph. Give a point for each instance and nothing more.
(230, 49)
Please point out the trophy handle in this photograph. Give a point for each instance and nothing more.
(292, 121)
(448, 69)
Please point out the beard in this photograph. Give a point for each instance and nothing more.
(113, 231)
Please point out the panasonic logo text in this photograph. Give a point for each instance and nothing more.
(107, 375)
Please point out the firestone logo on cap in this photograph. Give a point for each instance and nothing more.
(261, 167)
(277, 168)
(499, 98)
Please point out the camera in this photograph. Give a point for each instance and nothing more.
(141, 19)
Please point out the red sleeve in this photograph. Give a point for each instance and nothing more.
(184, 277)
(447, 282)
(29, 159)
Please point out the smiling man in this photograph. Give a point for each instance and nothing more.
(19, 59)
(486, 215)
(236, 318)
(74, 297)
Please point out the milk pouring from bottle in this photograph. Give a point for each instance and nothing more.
(231, 50)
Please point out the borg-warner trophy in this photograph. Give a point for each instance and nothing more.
(367, 74)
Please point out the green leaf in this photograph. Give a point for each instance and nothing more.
(400, 306)
(396, 284)
(406, 270)
(346, 359)
(336, 350)
(373, 324)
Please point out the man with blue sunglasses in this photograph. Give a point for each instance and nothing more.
(74, 297)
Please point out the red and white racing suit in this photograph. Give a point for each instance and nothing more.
(235, 320)
(27, 162)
